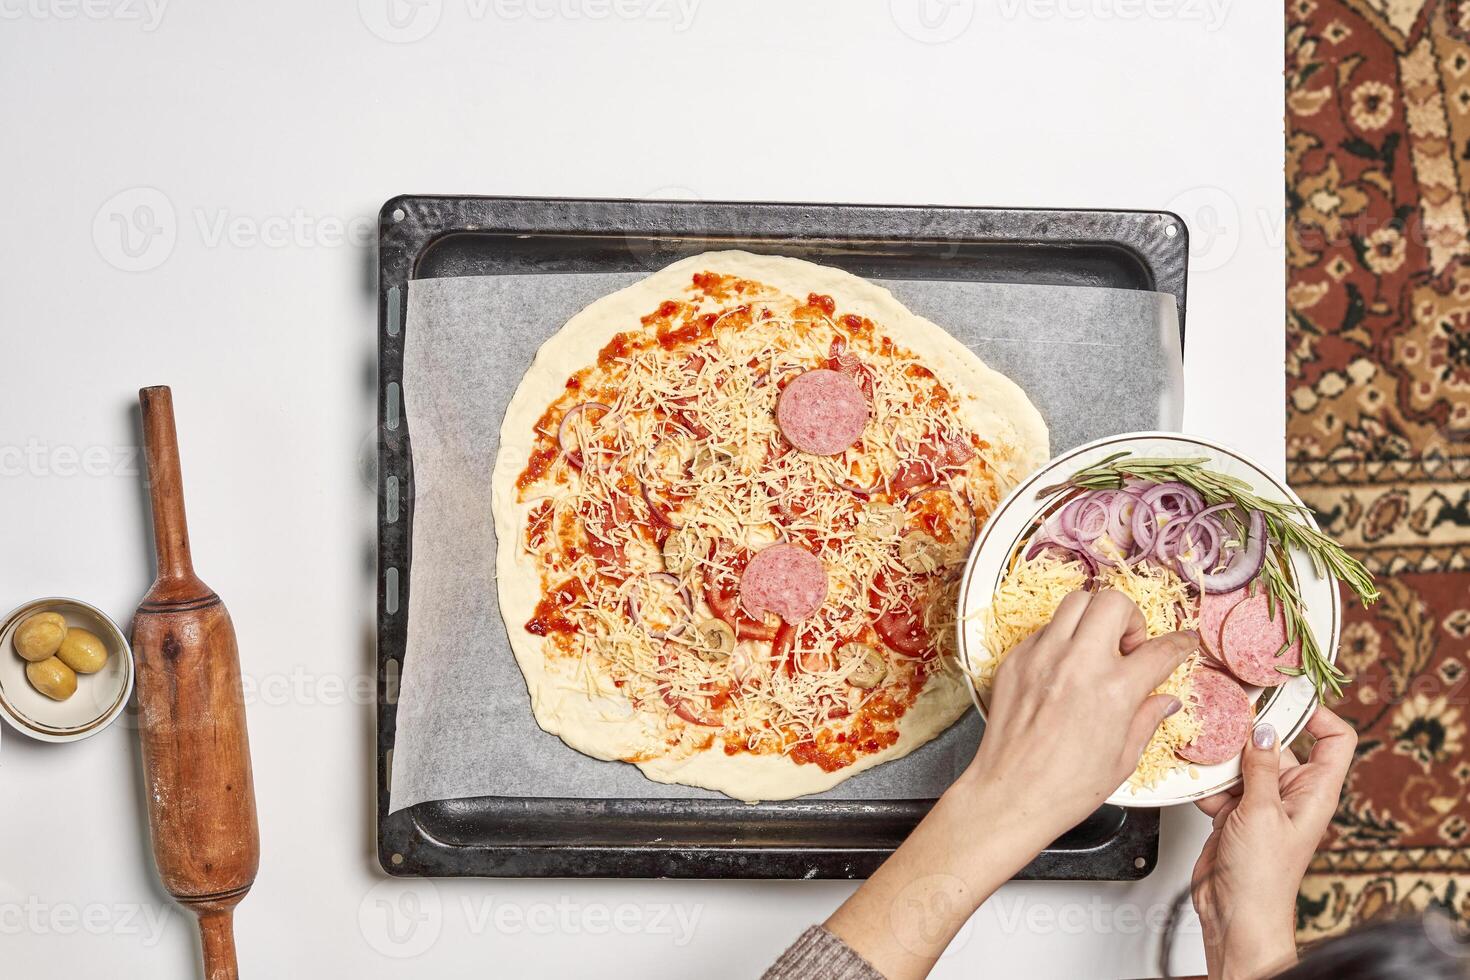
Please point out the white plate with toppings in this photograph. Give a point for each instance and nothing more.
(1072, 523)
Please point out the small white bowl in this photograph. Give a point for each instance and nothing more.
(99, 698)
(1287, 707)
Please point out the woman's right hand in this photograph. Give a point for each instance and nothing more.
(1073, 708)
(1266, 829)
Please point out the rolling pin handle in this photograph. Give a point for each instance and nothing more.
(165, 483)
(217, 936)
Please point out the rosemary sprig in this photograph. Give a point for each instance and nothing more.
(1284, 527)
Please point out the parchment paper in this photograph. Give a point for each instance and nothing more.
(1094, 361)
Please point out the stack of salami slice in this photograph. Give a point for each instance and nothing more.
(1243, 645)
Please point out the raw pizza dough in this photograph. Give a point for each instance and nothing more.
(594, 716)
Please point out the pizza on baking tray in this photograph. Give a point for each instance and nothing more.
(733, 502)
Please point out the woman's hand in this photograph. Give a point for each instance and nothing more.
(1266, 829)
(1073, 708)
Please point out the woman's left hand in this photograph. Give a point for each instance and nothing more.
(1265, 832)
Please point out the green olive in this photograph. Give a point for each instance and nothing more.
(83, 651)
(681, 552)
(40, 636)
(716, 637)
(920, 553)
(708, 458)
(870, 670)
(52, 678)
(883, 520)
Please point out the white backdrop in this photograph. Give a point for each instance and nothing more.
(191, 186)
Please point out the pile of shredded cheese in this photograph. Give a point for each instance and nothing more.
(697, 423)
(1027, 599)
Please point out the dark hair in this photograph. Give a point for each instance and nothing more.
(1428, 948)
(1431, 947)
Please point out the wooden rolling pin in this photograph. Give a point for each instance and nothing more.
(196, 756)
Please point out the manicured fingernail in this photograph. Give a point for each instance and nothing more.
(1264, 736)
(1174, 705)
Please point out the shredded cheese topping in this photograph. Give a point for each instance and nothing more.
(684, 472)
(1028, 598)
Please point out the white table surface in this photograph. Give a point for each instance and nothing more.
(263, 137)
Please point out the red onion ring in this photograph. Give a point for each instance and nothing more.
(864, 492)
(637, 617)
(1067, 554)
(1206, 534)
(1181, 537)
(1145, 524)
(1145, 528)
(1054, 531)
(657, 511)
(1167, 543)
(1091, 519)
(1203, 531)
(1188, 500)
(1067, 520)
(574, 457)
(1120, 520)
(1246, 563)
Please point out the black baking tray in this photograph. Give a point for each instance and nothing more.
(428, 237)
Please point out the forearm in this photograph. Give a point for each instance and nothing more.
(970, 844)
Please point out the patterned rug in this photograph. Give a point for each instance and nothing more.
(1378, 425)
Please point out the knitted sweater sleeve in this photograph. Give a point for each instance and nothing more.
(819, 955)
